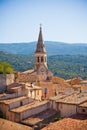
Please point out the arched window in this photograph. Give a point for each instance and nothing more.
(37, 59)
(42, 59)
(46, 92)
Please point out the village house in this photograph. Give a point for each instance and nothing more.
(27, 89)
(54, 99)
(82, 108)
(19, 108)
(25, 111)
(7, 105)
(67, 106)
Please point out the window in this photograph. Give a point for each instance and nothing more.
(46, 92)
(21, 103)
(83, 110)
(41, 59)
(16, 116)
(37, 59)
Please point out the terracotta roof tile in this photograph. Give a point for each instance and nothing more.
(8, 125)
(68, 124)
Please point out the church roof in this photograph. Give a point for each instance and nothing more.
(40, 44)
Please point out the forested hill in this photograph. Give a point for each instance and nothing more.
(64, 66)
(53, 48)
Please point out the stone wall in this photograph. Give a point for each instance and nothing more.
(5, 80)
(34, 111)
(66, 110)
(82, 110)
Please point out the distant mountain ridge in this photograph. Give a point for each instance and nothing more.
(53, 48)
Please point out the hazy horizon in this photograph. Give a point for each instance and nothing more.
(62, 21)
(37, 41)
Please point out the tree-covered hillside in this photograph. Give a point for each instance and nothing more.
(65, 66)
(53, 48)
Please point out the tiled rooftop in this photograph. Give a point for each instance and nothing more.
(13, 100)
(28, 106)
(84, 82)
(74, 98)
(76, 86)
(83, 104)
(15, 85)
(67, 124)
(36, 119)
(31, 121)
(8, 125)
(59, 96)
(28, 71)
(34, 88)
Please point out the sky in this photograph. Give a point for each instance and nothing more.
(62, 20)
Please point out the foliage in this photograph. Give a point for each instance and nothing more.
(5, 68)
(64, 66)
(53, 48)
(68, 66)
(57, 118)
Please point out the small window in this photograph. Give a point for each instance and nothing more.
(83, 110)
(16, 115)
(46, 90)
(21, 103)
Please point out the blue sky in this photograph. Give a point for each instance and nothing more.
(62, 20)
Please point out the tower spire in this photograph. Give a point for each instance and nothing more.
(40, 43)
(40, 25)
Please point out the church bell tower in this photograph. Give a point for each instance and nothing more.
(41, 55)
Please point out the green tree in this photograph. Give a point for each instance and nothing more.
(6, 68)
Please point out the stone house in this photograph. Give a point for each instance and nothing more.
(19, 108)
(23, 112)
(53, 100)
(69, 105)
(82, 108)
(5, 80)
(7, 105)
(27, 89)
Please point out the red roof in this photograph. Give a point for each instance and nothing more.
(68, 124)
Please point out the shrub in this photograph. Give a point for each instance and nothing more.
(6, 68)
(57, 118)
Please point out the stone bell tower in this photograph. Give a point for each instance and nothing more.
(41, 55)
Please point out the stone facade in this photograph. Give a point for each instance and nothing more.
(21, 108)
(69, 105)
(5, 80)
(82, 108)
